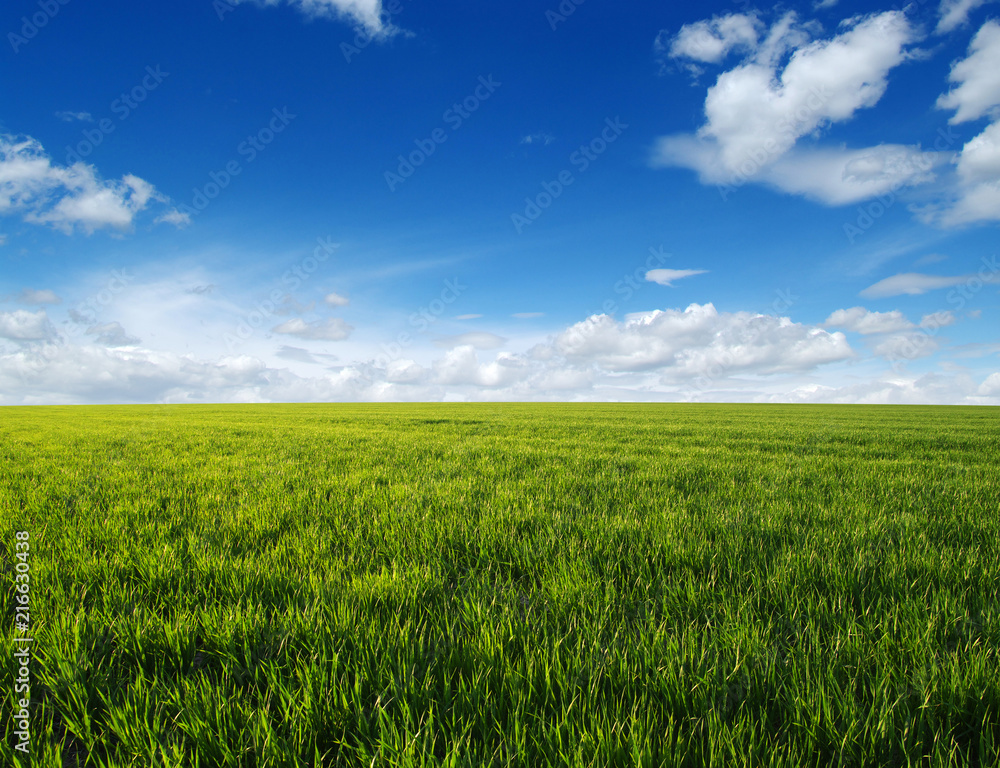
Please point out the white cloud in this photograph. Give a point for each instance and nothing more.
(834, 176)
(179, 219)
(21, 325)
(980, 158)
(842, 176)
(955, 13)
(932, 388)
(404, 372)
(31, 296)
(366, 14)
(915, 284)
(468, 317)
(756, 112)
(710, 41)
(331, 329)
(990, 386)
(336, 300)
(694, 354)
(66, 197)
(461, 366)
(977, 193)
(699, 339)
(860, 320)
(978, 78)
(826, 80)
(668, 276)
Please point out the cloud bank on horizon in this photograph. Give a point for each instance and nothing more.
(799, 205)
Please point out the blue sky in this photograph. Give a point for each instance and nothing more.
(293, 200)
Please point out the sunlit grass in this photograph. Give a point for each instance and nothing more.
(492, 585)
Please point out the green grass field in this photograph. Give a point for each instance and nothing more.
(505, 585)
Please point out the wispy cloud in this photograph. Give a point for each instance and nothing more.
(331, 329)
(70, 117)
(912, 284)
(667, 277)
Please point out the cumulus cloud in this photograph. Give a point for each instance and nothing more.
(955, 13)
(976, 196)
(979, 162)
(860, 320)
(331, 329)
(91, 373)
(461, 366)
(698, 339)
(336, 300)
(990, 386)
(66, 197)
(673, 354)
(710, 41)
(21, 325)
(756, 113)
(668, 276)
(404, 372)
